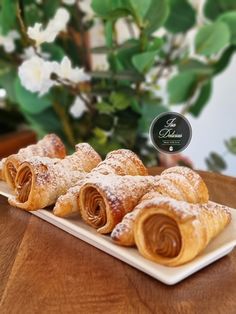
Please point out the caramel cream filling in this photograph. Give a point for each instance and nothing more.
(162, 236)
(95, 208)
(11, 172)
(23, 184)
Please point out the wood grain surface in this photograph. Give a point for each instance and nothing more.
(45, 270)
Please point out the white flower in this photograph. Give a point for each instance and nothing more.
(54, 27)
(58, 23)
(35, 75)
(29, 52)
(37, 34)
(86, 8)
(8, 41)
(65, 71)
(69, 2)
(78, 108)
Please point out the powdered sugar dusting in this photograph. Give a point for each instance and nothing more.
(52, 177)
(199, 192)
(120, 193)
(119, 162)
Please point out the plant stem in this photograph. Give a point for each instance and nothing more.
(130, 28)
(84, 42)
(25, 39)
(61, 112)
(186, 108)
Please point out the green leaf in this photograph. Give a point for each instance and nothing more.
(125, 130)
(29, 102)
(32, 13)
(144, 61)
(101, 135)
(196, 66)
(202, 100)
(224, 60)
(104, 107)
(8, 16)
(156, 15)
(7, 82)
(49, 8)
(155, 44)
(212, 38)
(120, 101)
(125, 53)
(231, 145)
(181, 18)
(109, 33)
(214, 8)
(115, 64)
(150, 109)
(139, 8)
(45, 122)
(110, 9)
(55, 51)
(103, 121)
(229, 18)
(181, 87)
(215, 162)
(104, 149)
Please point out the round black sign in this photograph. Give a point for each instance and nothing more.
(170, 132)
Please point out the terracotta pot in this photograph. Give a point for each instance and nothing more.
(10, 143)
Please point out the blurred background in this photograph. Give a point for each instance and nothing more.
(101, 71)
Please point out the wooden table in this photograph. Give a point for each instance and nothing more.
(45, 270)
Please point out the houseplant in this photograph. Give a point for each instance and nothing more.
(171, 45)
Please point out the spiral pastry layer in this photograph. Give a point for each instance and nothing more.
(179, 183)
(41, 180)
(105, 199)
(120, 162)
(50, 146)
(172, 232)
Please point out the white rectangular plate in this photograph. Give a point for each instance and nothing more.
(218, 248)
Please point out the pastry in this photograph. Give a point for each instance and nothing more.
(123, 232)
(41, 180)
(105, 199)
(180, 183)
(172, 232)
(1, 172)
(120, 162)
(50, 146)
(183, 184)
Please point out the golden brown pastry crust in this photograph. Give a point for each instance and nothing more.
(105, 199)
(172, 232)
(50, 146)
(41, 180)
(123, 232)
(179, 183)
(183, 183)
(1, 169)
(121, 162)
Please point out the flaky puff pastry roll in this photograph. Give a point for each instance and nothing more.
(180, 183)
(1, 169)
(172, 232)
(50, 146)
(123, 232)
(121, 162)
(41, 180)
(183, 184)
(105, 199)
